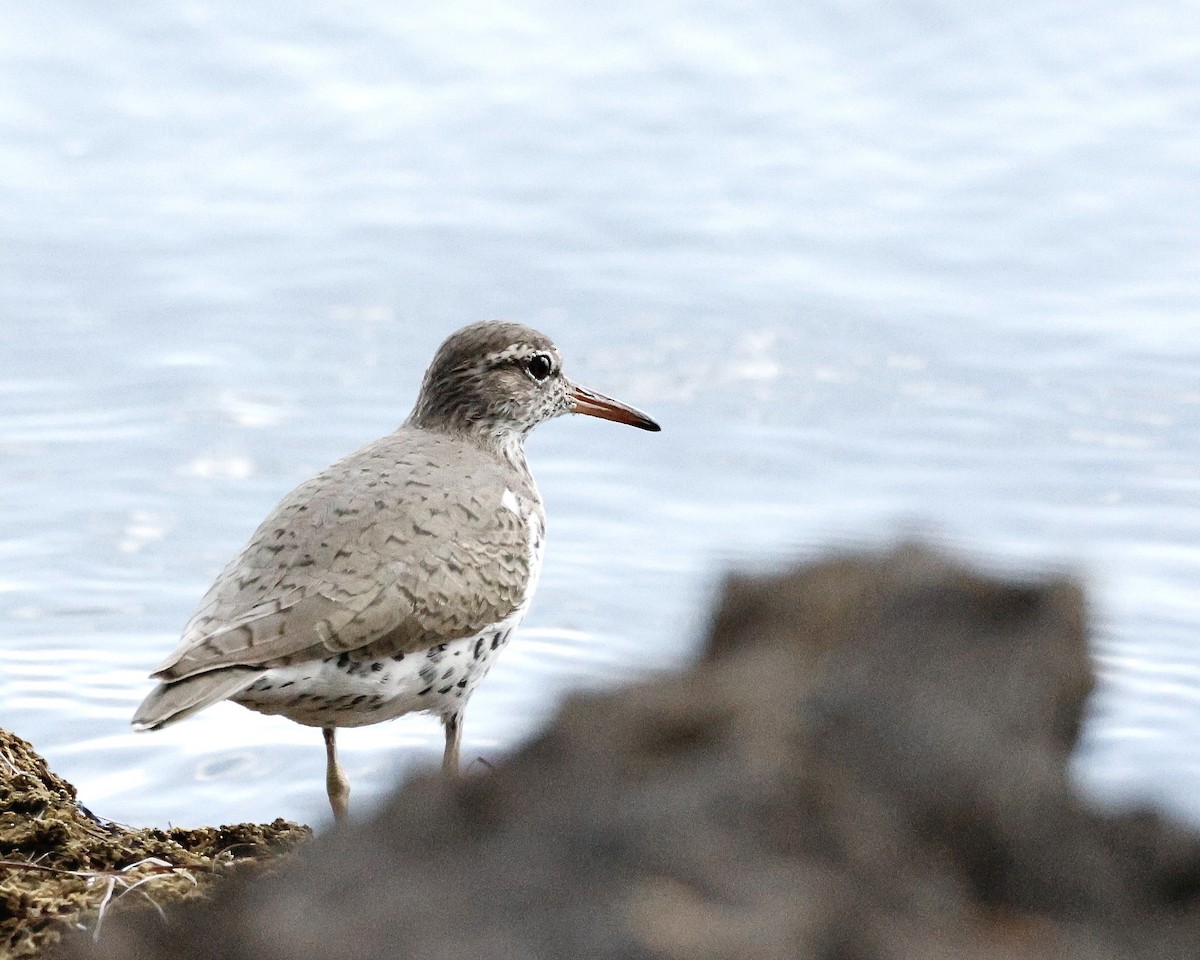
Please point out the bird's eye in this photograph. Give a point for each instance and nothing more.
(539, 366)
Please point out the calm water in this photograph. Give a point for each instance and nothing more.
(877, 271)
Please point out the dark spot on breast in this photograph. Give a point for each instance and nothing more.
(446, 689)
(421, 693)
(448, 674)
(478, 648)
(288, 684)
(343, 661)
(398, 657)
(376, 666)
(495, 640)
(461, 683)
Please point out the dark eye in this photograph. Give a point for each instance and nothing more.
(539, 366)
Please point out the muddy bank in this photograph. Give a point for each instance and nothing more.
(869, 763)
(62, 868)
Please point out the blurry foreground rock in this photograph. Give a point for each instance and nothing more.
(870, 762)
(62, 869)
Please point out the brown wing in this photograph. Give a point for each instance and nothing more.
(406, 543)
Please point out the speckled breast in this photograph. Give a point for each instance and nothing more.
(342, 691)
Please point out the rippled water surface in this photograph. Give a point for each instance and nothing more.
(877, 271)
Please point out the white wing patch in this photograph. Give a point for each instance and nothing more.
(510, 500)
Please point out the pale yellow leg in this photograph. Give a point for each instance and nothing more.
(337, 785)
(452, 722)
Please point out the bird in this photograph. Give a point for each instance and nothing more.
(389, 582)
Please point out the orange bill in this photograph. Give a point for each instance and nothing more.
(594, 404)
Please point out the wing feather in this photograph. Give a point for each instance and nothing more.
(382, 553)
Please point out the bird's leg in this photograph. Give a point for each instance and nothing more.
(337, 784)
(453, 724)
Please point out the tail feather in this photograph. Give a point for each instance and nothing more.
(176, 699)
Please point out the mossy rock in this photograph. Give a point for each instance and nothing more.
(62, 868)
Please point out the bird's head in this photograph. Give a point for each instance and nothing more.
(500, 380)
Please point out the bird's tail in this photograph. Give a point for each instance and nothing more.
(174, 700)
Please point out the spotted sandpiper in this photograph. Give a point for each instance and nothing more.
(390, 581)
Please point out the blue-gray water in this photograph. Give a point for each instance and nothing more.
(877, 270)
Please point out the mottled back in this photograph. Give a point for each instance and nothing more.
(415, 539)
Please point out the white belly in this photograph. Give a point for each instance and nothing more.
(342, 692)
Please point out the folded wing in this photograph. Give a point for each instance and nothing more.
(377, 555)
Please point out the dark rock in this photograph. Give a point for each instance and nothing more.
(868, 764)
